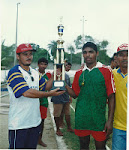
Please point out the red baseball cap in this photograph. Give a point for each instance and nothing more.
(122, 47)
(24, 47)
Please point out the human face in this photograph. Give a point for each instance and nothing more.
(67, 67)
(90, 57)
(42, 66)
(115, 62)
(25, 58)
(123, 59)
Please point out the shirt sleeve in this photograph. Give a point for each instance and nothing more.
(16, 81)
(109, 80)
(42, 83)
(75, 85)
(48, 75)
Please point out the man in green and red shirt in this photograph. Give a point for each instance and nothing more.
(42, 65)
(93, 86)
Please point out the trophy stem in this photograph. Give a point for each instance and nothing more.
(59, 62)
(57, 56)
(54, 69)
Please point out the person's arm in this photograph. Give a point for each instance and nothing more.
(111, 107)
(49, 83)
(70, 91)
(32, 93)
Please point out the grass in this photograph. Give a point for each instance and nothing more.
(72, 140)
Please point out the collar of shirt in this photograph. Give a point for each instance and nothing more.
(99, 64)
(123, 75)
(42, 74)
(30, 68)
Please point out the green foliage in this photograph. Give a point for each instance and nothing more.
(102, 47)
(76, 58)
(72, 50)
(41, 53)
(103, 57)
(79, 41)
(7, 55)
(104, 44)
(53, 47)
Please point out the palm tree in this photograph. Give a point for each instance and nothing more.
(53, 47)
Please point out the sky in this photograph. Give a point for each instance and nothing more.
(38, 21)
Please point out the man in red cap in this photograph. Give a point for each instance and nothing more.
(24, 84)
(120, 116)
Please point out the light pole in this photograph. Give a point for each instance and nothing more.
(83, 21)
(16, 35)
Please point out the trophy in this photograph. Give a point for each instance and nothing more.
(59, 79)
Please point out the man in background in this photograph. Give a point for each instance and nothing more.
(113, 61)
(61, 103)
(68, 66)
(42, 65)
(120, 116)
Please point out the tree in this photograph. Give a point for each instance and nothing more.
(72, 50)
(53, 47)
(103, 57)
(104, 44)
(79, 41)
(41, 52)
(101, 45)
(7, 55)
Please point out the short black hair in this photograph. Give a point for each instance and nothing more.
(91, 45)
(115, 54)
(68, 63)
(43, 60)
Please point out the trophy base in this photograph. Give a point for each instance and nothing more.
(59, 84)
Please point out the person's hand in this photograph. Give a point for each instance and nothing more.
(108, 128)
(56, 92)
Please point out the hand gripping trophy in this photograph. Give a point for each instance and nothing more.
(59, 78)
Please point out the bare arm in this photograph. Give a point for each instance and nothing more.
(49, 83)
(111, 108)
(32, 93)
(70, 91)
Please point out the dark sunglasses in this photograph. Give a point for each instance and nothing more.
(32, 78)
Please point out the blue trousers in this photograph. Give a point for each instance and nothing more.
(118, 139)
(24, 138)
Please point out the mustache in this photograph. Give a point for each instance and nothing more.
(28, 59)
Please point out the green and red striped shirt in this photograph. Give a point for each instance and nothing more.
(92, 87)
